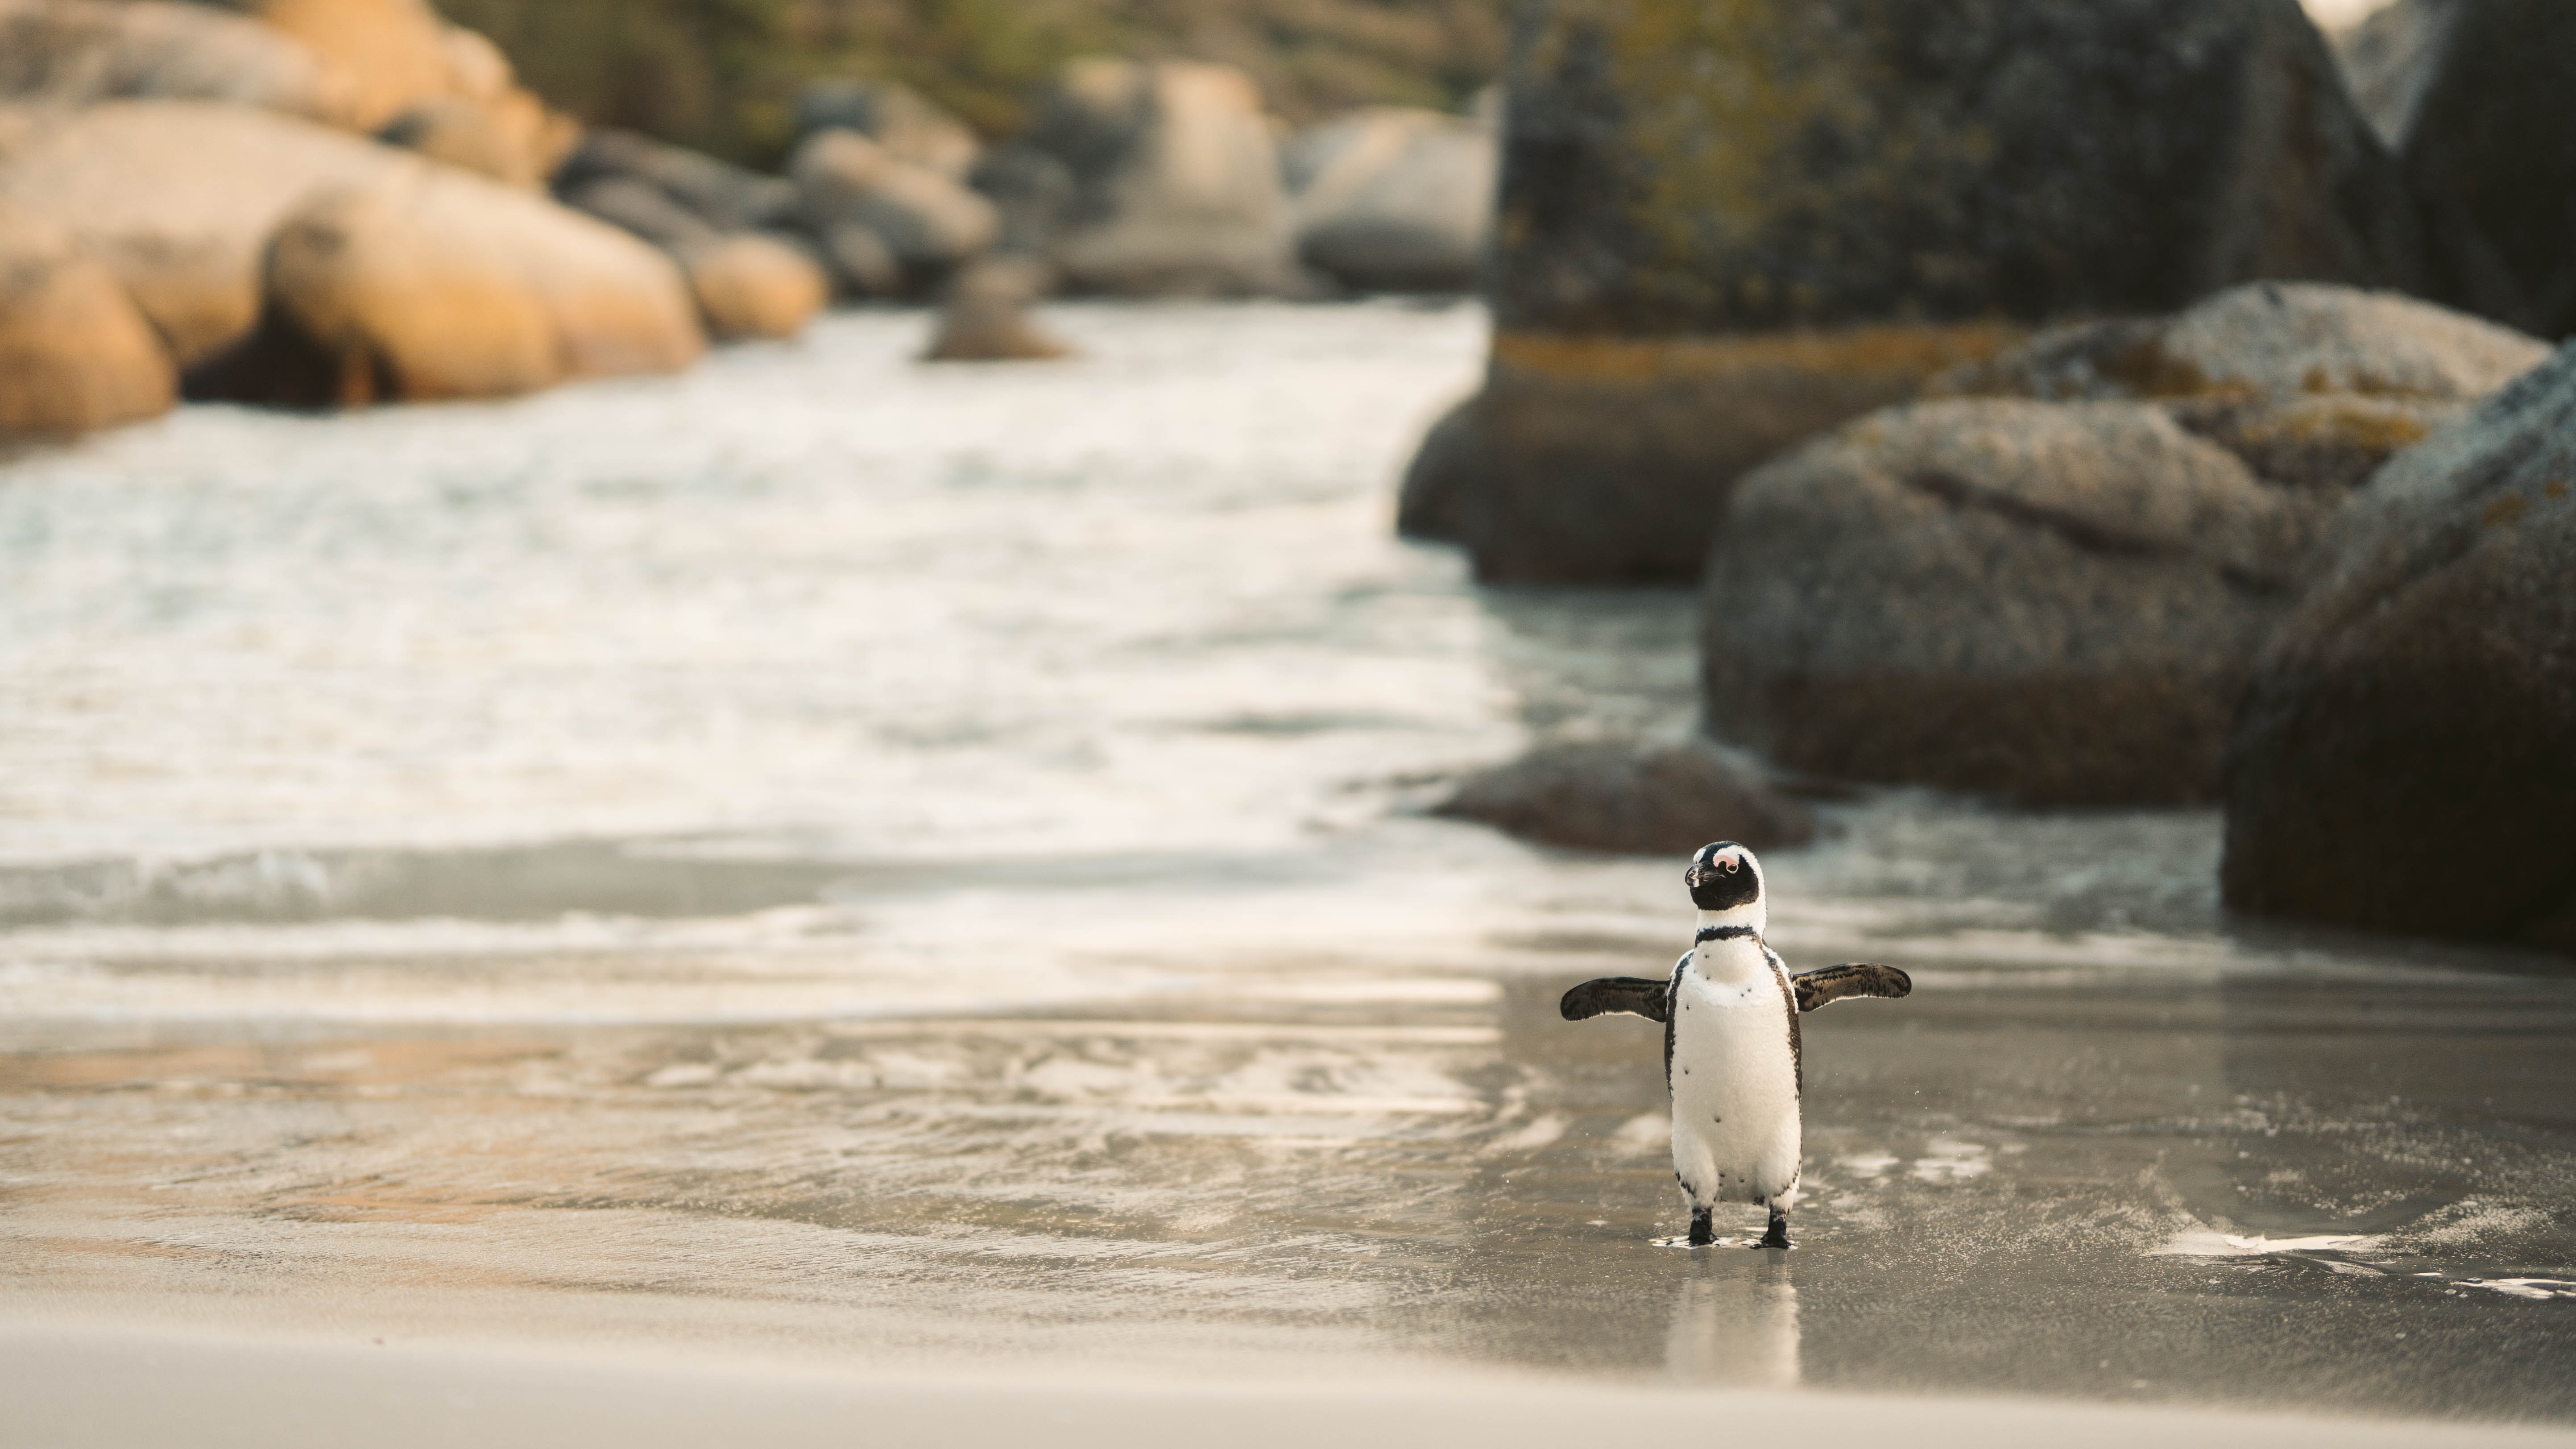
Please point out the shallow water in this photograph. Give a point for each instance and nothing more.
(826, 857)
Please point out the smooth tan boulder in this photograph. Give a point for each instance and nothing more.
(434, 283)
(75, 354)
(81, 52)
(510, 137)
(393, 54)
(751, 286)
(179, 199)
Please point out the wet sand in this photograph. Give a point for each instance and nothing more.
(2318, 1193)
(841, 908)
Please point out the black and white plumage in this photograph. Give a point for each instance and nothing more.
(1732, 1058)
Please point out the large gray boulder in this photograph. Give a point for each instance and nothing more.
(2491, 149)
(1176, 181)
(2406, 756)
(75, 354)
(1708, 250)
(2055, 603)
(1391, 199)
(2000, 596)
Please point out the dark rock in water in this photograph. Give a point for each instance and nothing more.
(1823, 202)
(2491, 150)
(2313, 386)
(1638, 799)
(1447, 473)
(2052, 603)
(1176, 181)
(911, 127)
(2406, 756)
(987, 318)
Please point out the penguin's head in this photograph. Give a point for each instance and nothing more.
(1724, 877)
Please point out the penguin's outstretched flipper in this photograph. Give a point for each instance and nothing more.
(1636, 995)
(1817, 988)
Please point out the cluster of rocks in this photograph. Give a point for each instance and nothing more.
(317, 202)
(1708, 253)
(327, 202)
(2050, 586)
(2277, 532)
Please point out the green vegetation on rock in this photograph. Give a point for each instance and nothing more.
(722, 75)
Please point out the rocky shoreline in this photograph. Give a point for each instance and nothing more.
(2132, 405)
(319, 203)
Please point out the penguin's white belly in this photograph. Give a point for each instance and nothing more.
(1735, 1090)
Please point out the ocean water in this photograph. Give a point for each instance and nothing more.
(831, 856)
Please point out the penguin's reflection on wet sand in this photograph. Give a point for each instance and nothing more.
(1735, 1322)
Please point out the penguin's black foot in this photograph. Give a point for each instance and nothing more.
(1778, 1234)
(1703, 1227)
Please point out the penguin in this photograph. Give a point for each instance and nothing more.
(1731, 1057)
